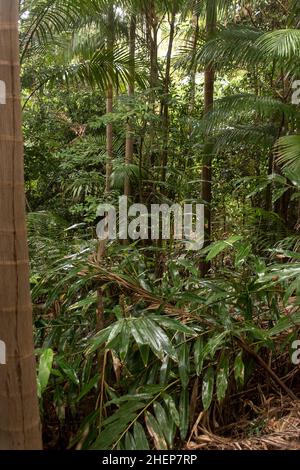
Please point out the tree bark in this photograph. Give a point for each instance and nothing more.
(19, 413)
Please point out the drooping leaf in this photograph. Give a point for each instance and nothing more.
(239, 369)
(155, 432)
(184, 413)
(44, 371)
(208, 388)
(222, 378)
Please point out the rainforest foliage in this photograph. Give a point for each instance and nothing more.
(139, 344)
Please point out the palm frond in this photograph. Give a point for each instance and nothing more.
(280, 44)
(245, 108)
(288, 151)
(43, 19)
(246, 136)
(235, 45)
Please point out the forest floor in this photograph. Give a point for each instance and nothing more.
(274, 425)
(280, 430)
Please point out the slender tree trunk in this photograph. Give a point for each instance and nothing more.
(166, 117)
(19, 413)
(109, 101)
(152, 37)
(131, 90)
(209, 85)
(194, 66)
(152, 26)
(109, 138)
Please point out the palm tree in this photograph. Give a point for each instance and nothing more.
(19, 413)
(250, 48)
(209, 89)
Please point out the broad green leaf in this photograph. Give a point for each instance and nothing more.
(184, 413)
(124, 342)
(222, 378)
(98, 340)
(208, 388)
(115, 333)
(129, 442)
(199, 355)
(68, 371)
(116, 424)
(169, 401)
(173, 325)
(166, 425)
(147, 332)
(239, 369)
(88, 387)
(242, 253)
(164, 371)
(285, 324)
(141, 441)
(216, 248)
(155, 432)
(44, 371)
(214, 343)
(184, 364)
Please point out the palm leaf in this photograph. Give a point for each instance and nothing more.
(288, 151)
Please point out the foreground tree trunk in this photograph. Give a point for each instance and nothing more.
(19, 414)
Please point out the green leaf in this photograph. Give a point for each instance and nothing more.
(88, 387)
(239, 369)
(169, 401)
(208, 388)
(216, 248)
(68, 371)
(124, 342)
(155, 432)
(199, 355)
(222, 378)
(174, 325)
(165, 423)
(184, 407)
(44, 371)
(214, 343)
(129, 442)
(284, 324)
(146, 332)
(116, 424)
(164, 371)
(98, 340)
(242, 253)
(115, 333)
(141, 441)
(184, 364)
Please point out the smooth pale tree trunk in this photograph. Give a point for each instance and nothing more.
(209, 86)
(109, 138)
(109, 101)
(19, 414)
(166, 107)
(131, 90)
(194, 67)
(152, 28)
